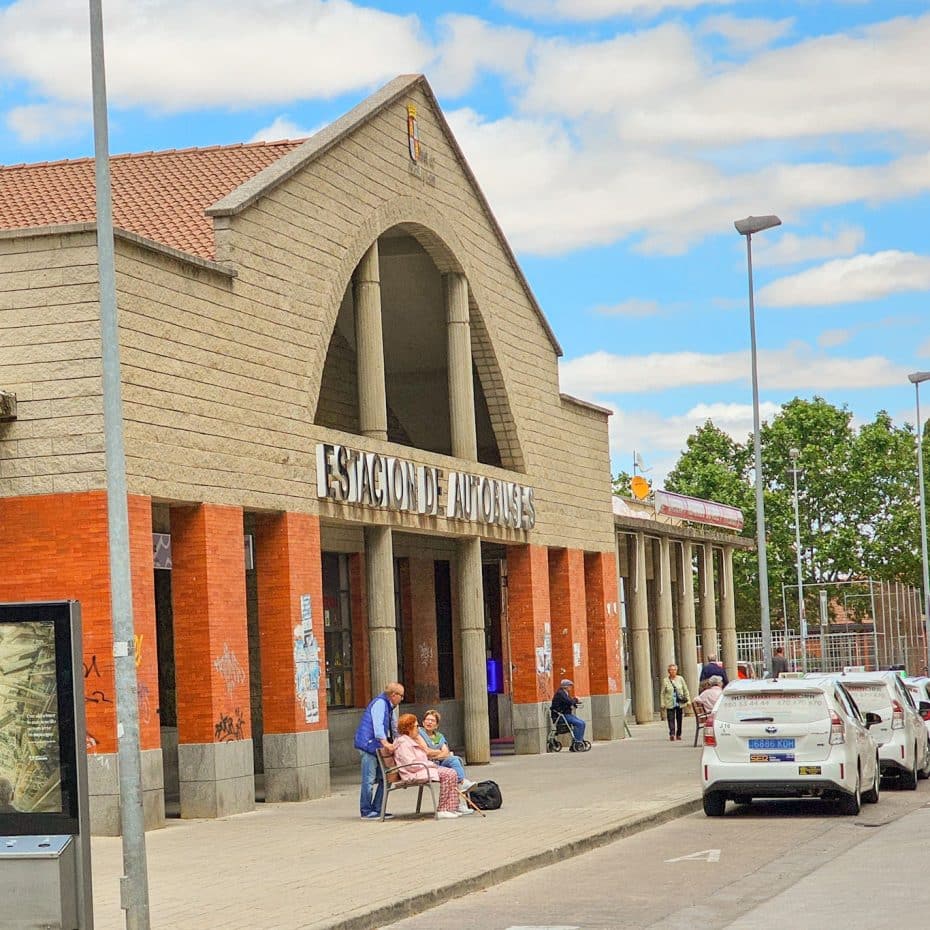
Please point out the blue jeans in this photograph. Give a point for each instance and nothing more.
(454, 763)
(577, 725)
(371, 776)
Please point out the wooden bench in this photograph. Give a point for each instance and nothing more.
(700, 715)
(390, 776)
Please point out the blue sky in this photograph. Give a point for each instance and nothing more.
(616, 140)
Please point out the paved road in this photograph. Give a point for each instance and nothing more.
(771, 864)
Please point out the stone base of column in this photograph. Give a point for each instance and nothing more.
(296, 765)
(530, 726)
(216, 779)
(103, 791)
(607, 716)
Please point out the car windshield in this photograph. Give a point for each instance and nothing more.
(868, 696)
(773, 706)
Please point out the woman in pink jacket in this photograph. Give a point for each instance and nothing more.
(408, 750)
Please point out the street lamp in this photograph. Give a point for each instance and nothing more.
(917, 378)
(802, 618)
(746, 227)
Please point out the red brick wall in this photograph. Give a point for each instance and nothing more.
(602, 602)
(358, 596)
(569, 617)
(425, 659)
(528, 613)
(287, 548)
(211, 644)
(54, 547)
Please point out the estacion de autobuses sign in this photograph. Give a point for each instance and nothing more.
(369, 479)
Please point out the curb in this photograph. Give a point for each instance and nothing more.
(398, 910)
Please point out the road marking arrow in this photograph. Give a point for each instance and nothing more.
(705, 855)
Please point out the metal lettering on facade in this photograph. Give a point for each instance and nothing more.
(352, 476)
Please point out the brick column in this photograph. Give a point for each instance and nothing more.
(423, 629)
(55, 547)
(605, 666)
(530, 645)
(568, 610)
(211, 650)
(295, 739)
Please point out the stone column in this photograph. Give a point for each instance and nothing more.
(295, 737)
(706, 600)
(665, 632)
(687, 634)
(470, 602)
(369, 346)
(643, 707)
(382, 621)
(728, 613)
(461, 381)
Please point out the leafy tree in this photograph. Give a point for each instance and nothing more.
(621, 483)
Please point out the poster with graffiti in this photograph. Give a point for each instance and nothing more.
(30, 762)
(307, 662)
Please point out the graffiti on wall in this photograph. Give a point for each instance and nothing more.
(230, 670)
(307, 662)
(230, 727)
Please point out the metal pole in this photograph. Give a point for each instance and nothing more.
(760, 502)
(923, 523)
(134, 893)
(802, 618)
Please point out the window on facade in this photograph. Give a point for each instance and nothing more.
(337, 629)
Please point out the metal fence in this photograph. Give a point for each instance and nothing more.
(830, 653)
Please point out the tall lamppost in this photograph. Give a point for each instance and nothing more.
(802, 616)
(746, 227)
(917, 378)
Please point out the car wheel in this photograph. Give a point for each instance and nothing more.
(925, 771)
(744, 802)
(714, 803)
(851, 804)
(872, 794)
(909, 779)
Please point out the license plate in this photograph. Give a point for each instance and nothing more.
(771, 744)
(809, 770)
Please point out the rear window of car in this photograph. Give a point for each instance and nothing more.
(779, 706)
(868, 696)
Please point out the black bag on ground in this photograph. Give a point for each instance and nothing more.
(486, 795)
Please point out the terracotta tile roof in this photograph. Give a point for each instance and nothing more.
(158, 195)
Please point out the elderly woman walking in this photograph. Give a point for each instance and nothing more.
(673, 696)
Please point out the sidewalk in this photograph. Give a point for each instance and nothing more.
(310, 865)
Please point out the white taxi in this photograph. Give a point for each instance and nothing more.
(788, 738)
(918, 689)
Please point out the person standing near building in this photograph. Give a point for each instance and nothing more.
(673, 696)
(712, 667)
(376, 731)
(779, 662)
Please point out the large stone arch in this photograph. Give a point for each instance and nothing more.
(438, 238)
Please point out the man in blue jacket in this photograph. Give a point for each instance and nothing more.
(564, 702)
(376, 731)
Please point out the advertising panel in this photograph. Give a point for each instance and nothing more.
(38, 772)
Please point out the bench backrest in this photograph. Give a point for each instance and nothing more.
(700, 712)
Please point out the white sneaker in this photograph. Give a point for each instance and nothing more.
(465, 809)
(466, 784)
(447, 815)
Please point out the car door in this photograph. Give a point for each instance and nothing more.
(865, 746)
(917, 733)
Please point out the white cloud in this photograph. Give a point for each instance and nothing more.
(175, 55)
(282, 127)
(602, 9)
(792, 249)
(746, 35)
(634, 307)
(41, 121)
(795, 367)
(831, 338)
(863, 277)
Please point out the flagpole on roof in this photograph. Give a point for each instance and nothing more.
(134, 892)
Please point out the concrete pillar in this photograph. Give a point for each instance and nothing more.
(643, 707)
(469, 593)
(369, 346)
(211, 658)
(728, 613)
(605, 676)
(382, 620)
(665, 632)
(530, 645)
(706, 600)
(687, 658)
(295, 737)
(461, 381)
